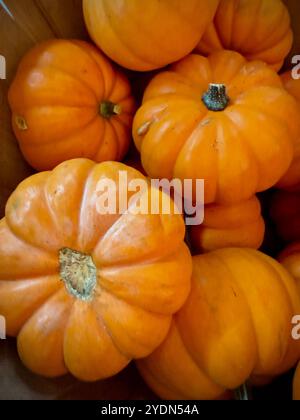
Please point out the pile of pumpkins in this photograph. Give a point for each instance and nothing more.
(87, 293)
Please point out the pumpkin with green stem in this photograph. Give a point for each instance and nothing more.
(68, 101)
(222, 119)
(86, 290)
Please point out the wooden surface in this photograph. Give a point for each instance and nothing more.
(23, 24)
(16, 382)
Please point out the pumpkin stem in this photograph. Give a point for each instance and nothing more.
(78, 272)
(109, 109)
(216, 98)
(21, 123)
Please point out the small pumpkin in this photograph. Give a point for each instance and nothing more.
(67, 102)
(147, 35)
(296, 385)
(221, 119)
(291, 180)
(285, 212)
(290, 258)
(230, 330)
(86, 292)
(258, 29)
(237, 225)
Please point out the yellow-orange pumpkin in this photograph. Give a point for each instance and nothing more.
(258, 29)
(291, 180)
(296, 386)
(68, 102)
(239, 137)
(237, 225)
(235, 326)
(146, 35)
(285, 213)
(87, 292)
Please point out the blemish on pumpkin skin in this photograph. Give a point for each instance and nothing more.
(216, 144)
(16, 204)
(205, 122)
(234, 292)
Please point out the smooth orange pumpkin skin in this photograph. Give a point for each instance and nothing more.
(296, 385)
(147, 35)
(229, 330)
(57, 93)
(143, 274)
(238, 225)
(285, 211)
(239, 151)
(258, 29)
(291, 180)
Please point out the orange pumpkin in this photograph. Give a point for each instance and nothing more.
(230, 329)
(69, 102)
(290, 258)
(296, 387)
(291, 180)
(258, 29)
(147, 35)
(239, 138)
(238, 225)
(285, 213)
(87, 292)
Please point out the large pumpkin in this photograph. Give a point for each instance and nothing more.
(221, 119)
(296, 387)
(237, 225)
(258, 29)
(285, 213)
(86, 292)
(69, 102)
(235, 326)
(146, 35)
(291, 180)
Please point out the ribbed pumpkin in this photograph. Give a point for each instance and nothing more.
(221, 119)
(291, 180)
(258, 29)
(238, 225)
(290, 258)
(234, 327)
(296, 386)
(147, 35)
(87, 292)
(69, 102)
(285, 213)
